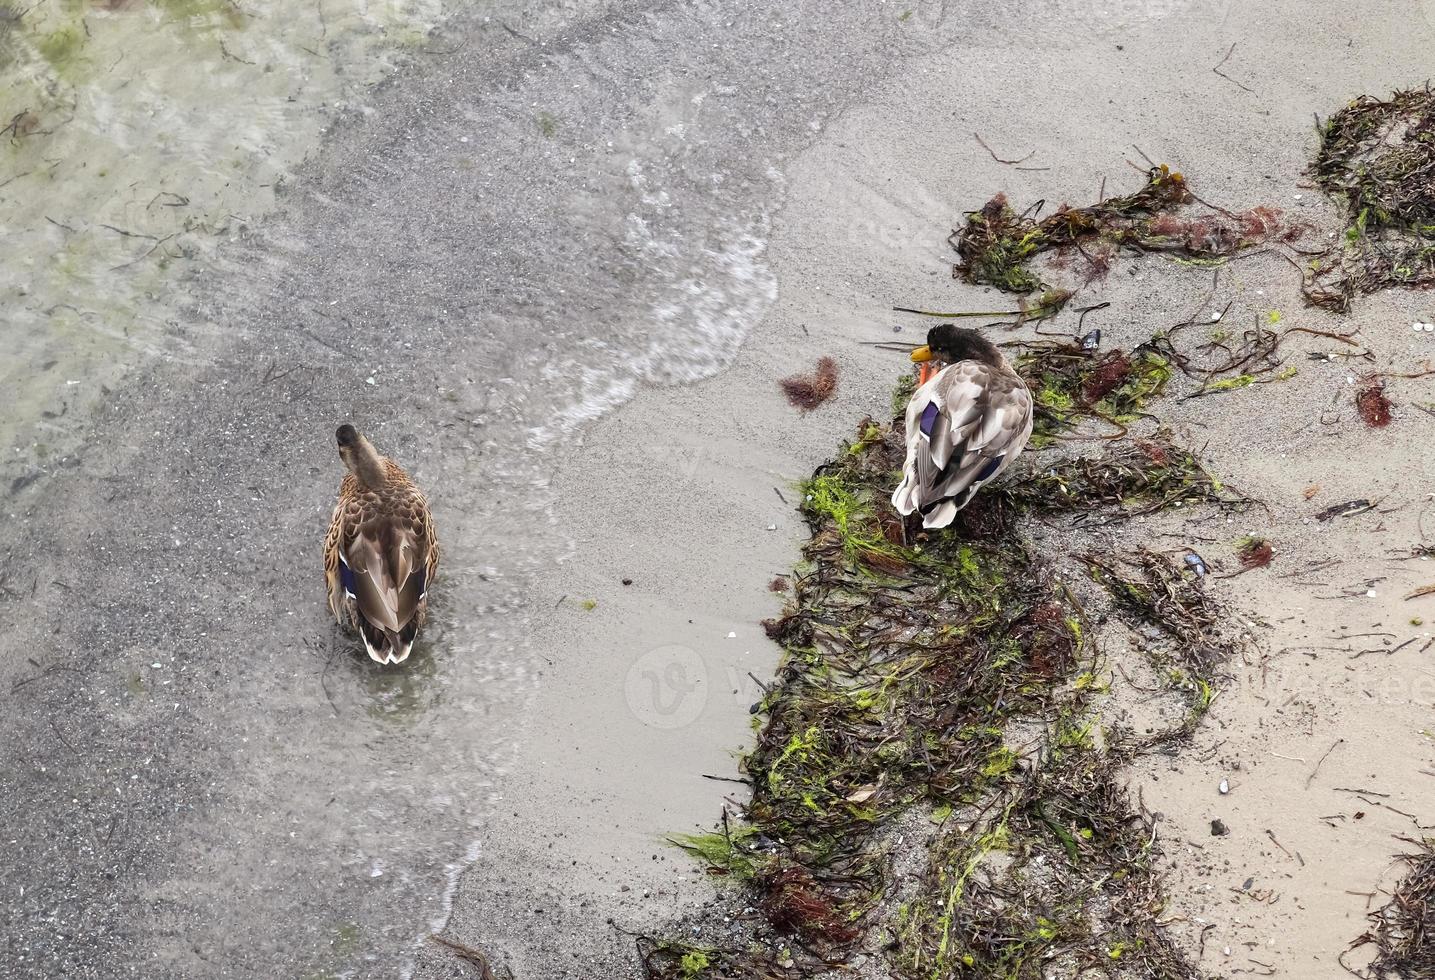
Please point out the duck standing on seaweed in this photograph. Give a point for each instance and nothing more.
(381, 552)
(967, 421)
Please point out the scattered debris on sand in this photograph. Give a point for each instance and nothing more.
(808, 391)
(1347, 509)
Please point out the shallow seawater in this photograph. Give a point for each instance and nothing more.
(154, 138)
(135, 137)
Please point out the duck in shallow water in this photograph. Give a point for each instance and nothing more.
(381, 552)
(967, 421)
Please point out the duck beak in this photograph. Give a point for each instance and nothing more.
(923, 356)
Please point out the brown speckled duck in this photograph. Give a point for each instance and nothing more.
(967, 421)
(381, 553)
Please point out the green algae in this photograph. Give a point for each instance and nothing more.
(62, 47)
(1070, 384)
(202, 13)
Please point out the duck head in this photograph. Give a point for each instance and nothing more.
(948, 344)
(360, 456)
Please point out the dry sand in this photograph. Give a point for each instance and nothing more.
(678, 492)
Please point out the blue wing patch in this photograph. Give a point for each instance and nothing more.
(929, 418)
(346, 576)
(989, 470)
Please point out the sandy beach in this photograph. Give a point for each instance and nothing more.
(581, 366)
(862, 229)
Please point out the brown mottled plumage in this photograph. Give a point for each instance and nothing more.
(966, 423)
(381, 552)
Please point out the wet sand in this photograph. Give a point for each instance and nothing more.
(566, 720)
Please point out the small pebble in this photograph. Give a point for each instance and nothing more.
(1225, 787)
(1219, 828)
(1370, 593)
(732, 636)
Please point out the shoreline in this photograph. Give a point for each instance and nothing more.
(570, 738)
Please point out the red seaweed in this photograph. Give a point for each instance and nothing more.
(1372, 404)
(807, 391)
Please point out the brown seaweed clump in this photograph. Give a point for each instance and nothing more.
(998, 243)
(1403, 931)
(807, 391)
(1377, 155)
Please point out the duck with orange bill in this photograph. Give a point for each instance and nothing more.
(968, 420)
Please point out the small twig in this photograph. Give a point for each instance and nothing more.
(1228, 78)
(469, 955)
(144, 255)
(63, 740)
(231, 55)
(1010, 163)
(128, 234)
(1311, 778)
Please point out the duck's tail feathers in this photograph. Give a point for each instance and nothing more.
(902, 500)
(388, 646)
